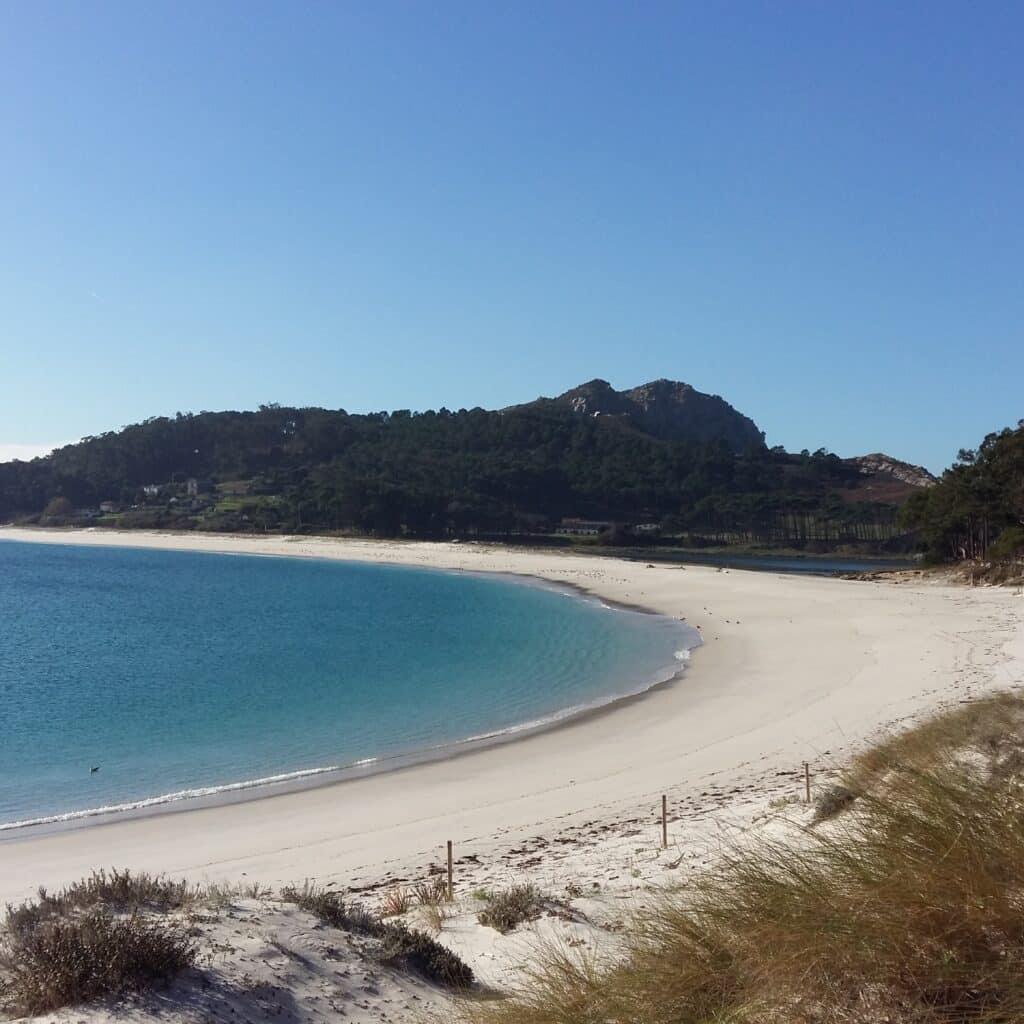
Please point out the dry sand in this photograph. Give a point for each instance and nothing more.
(792, 669)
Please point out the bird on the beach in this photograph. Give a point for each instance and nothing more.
(94, 769)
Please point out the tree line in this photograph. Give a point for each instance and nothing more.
(444, 473)
(976, 510)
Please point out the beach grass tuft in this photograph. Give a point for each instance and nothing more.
(432, 893)
(907, 908)
(434, 915)
(396, 902)
(220, 895)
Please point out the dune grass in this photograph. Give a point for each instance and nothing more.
(431, 893)
(396, 902)
(907, 907)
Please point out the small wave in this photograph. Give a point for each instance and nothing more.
(576, 709)
(170, 798)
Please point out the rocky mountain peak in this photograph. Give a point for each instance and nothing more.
(667, 409)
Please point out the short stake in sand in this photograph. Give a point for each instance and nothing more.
(451, 880)
(664, 822)
(807, 782)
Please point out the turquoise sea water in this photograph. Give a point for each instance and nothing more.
(184, 674)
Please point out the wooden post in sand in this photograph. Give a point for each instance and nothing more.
(664, 822)
(807, 781)
(451, 882)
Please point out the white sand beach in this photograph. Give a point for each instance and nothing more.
(792, 669)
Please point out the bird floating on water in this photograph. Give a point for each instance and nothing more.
(94, 769)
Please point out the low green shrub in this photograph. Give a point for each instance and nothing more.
(331, 908)
(416, 951)
(831, 802)
(511, 907)
(398, 945)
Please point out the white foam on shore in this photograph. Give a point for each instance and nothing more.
(579, 709)
(170, 798)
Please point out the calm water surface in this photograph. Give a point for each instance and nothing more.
(176, 671)
(807, 565)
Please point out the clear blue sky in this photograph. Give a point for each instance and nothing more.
(813, 209)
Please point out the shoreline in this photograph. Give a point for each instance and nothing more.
(302, 780)
(271, 788)
(285, 782)
(791, 668)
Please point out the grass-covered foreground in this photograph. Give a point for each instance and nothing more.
(903, 903)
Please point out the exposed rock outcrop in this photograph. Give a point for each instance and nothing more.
(669, 410)
(879, 463)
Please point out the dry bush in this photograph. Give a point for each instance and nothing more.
(991, 728)
(435, 915)
(909, 909)
(56, 955)
(91, 939)
(254, 890)
(119, 890)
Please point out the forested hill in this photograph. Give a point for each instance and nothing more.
(534, 469)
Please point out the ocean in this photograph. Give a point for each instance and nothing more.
(181, 675)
